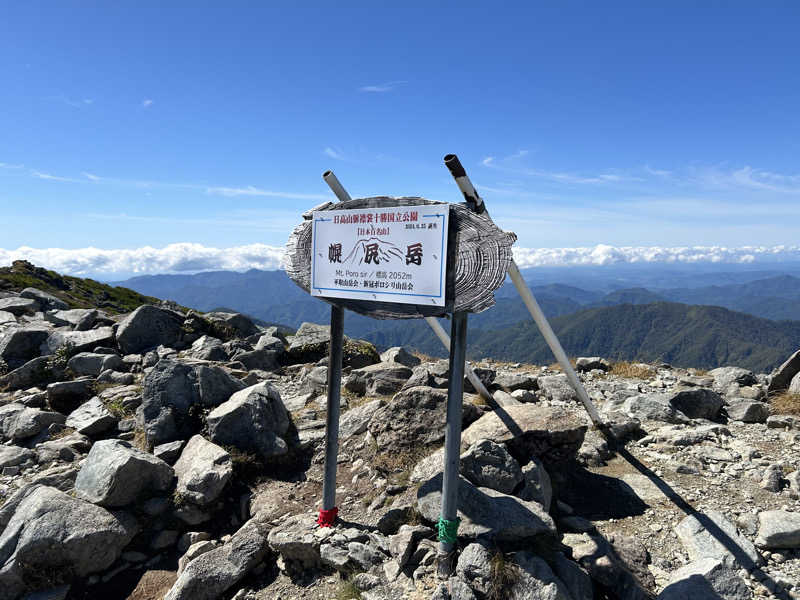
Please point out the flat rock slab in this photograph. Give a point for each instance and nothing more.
(203, 470)
(705, 579)
(711, 535)
(550, 433)
(91, 418)
(778, 529)
(486, 513)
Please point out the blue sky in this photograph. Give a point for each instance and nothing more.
(134, 124)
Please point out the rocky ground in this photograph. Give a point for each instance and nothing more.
(161, 454)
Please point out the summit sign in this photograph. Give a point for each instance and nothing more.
(387, 254)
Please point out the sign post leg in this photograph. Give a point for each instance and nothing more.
(448, 521)
(328, 513)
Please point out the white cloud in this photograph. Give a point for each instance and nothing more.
(187, 257)
(382, 87)
(146, 103)
(91, 177)
(49, 177)
(10, 166)
(254, 191)
(334, 154)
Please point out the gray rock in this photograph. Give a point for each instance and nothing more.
(602, 560)
(585, 364)
(653, 407)
(487, 464)
(537, 485)
(400, 355)
(747, 411)
(169, 452)
(575, 579)
(208, 348)
(355, 420)
(172, 389)
(88, 321)
(783, 422)
(254, 419)
(240, 325)
(74, 315)
(117, 474)
(48, 531)
(79, 341)
(309, 343)
(511, 382)
(91, 418)
(550, 433)
(89, 363)
(794, 386)
(270, 343)
(475, 567)
(724, 377)
(56, 593)
(67, 448)
(404, 542)
(778, 529)
(203, 470)
(486, 513)
(19, 306)
(535, 580)
(783, 375)
(262, 360)
(21, 344)
(45, 300)
(705, 579)
(66, 396)
(7, 317)
(697, 403)
(61, 477)
(212, 573)
(115, 377)
(36, 371)
(711, 535)
(193, 552)
(11, 456)
(383, 378)
(18, 422)
(147, 327)
(297, 539)
(557, 388)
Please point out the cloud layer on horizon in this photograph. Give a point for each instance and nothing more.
(189, 258)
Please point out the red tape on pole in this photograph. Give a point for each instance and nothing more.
(327, 517)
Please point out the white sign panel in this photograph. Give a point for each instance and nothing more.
(390, 254)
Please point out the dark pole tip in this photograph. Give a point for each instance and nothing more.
(326, 173)
(452, 162)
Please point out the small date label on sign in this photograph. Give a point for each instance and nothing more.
(390, 254)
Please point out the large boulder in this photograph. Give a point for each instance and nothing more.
(401, 356)
(557, 388)
(705, 579)
(487, 464)
(711, 535)
(783, 375)
(550, 433)
(381, 379)
(535, 580)
(11, 456)
(117, 474)
(237, 324)
(209, 575)
(590, 363)
(653, 407)
(203, 470)
(90, 363)
(34, 372)
(173, 390)
(21, 344)
(19, 422)
(618, 565)
(310, 342)
(91, 418)
(47, 531)
(79, 341)
(747, 411)
(148, 327)
(697, 402)
(254, 420)
(208, 348)
(794, 386)
(725, 377)
(487, 513)
(46, 301)
(66, 396)
(778, 529)
(18, 306)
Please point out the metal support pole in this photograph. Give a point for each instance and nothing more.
(452, 444)
(332, 421)
(342, 195)
(473, 198)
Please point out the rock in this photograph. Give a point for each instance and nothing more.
(36, 371)
(208, 348)
(487, 464)
(66, 396)
(68, 448)
(401, 356)
(61, 477)
(705, 579)
(778, 529)
(557, 388)
(262, 360)
(46, 301)
(404, 542)
(383, 378)
(297, 539)
(505, 399)
(11, 456)
(88, 321)
(653, 407)
(358, 354)
(725, 377)
(310, 343)
(203, 470)
(575, 579)
(486, 513)
(605, 566)
(169, 452)
(74, 315)
(537, 485)
(117, 474)
(511, 382)
(21, 344)
(193, 552)
(79, 341)
(7, 317)
(550, 433)
(91, 418)
(239, 325)
(475, 567)
(212, 573)
(535, 580)
(18, 422)
(19, 306)
(794, 386)
(585, 364)
(711, 535)
(47, 531)
(270, 343)
(747, 411)
(147, 327)
(783, 422)
(355, 420)
(56, 593)
(781, 377)
(697, 403)
(89, 363)
(115, 377)
(254, 419)
(173, 390)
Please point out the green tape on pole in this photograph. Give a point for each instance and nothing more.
(448, 530)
